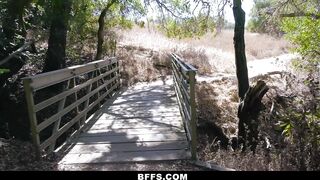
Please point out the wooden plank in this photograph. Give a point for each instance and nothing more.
(135, 125)
(142, 93)
(145, 112)
(183, 90)
(193, 119)
(123, 138)
(127, 147)
(125, 156)
(32, 116)
(64, 94)
(133, 115)
(128, 107)
(53, 77)
(148, 126)
(155, 100)
(152, 96)
(136, 122)
(149, 87)
(64, 128)
(144, 105)
(143, 119)
(57, 123)
(187, 66)
(184, 108)
(179, 64)
(142, 130)
(56, 116)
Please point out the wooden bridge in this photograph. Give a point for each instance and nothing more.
(82, 112)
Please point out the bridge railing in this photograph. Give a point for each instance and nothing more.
(184, 83)
(60, 102)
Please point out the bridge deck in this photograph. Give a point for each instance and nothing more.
(143, 123)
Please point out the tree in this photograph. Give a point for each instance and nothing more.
(300, 20)
(119, 9)
(259, 22)
(189, 27)
(82, 28)
(56, 53)
(239, 47)
(101, 29)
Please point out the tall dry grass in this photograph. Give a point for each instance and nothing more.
(211, 53)
(258, 46)
(138, 64)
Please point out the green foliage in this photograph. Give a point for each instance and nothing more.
(299, 119)
(2, 71)
(286, 122)
(257, 23)
(260, 21)
(84, 23)
(304, 33)
(189, 27)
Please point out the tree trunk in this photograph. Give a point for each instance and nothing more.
(248, 112)
(239, 47)
(56, 53)
(100, 33)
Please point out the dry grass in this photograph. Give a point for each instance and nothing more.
(197, 58)
(142, 65)
(258, 46)
(215, 104)
(210, 53)
(296, 153)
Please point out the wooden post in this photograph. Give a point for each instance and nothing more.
(32, 115)
(57, 123)
(118, 73)
(193, 122)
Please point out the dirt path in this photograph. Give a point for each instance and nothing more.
(264, 66)
(255, 68)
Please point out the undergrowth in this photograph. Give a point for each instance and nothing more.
(289, 128)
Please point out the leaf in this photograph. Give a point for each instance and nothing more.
(2, 71)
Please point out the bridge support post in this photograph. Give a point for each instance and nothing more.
(194, 143)
(32, 116)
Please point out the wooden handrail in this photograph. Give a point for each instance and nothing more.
(184, 83)
(93, 82)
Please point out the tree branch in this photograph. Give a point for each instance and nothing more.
(163, 6)
(19, 51)
(301, 14)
